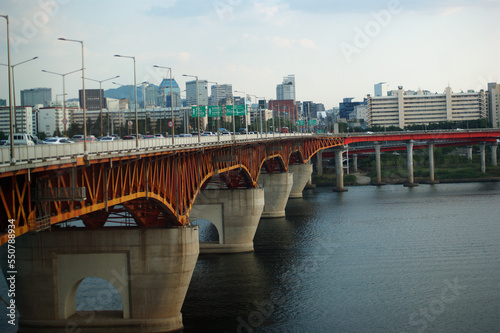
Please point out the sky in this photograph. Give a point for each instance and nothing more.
(336, 48)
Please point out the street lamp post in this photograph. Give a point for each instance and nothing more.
(171, 100)
(245, 105)
(135, 97)
(218, 115)
(129, 106)
(260, 111)
(12, 156)
(64, 94)
(100, 96)
(197, 105)
(83, 94)
(14, 89)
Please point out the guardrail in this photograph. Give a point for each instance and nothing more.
(44, 152)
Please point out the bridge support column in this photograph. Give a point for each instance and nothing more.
(277, 188)
(235, 214)
(319, 163)
(494, 160)
(150, 269)
(431, 164)
(409, 152)
(482, 149)
(309, 184)
(378, 165)
(355, 162)
(469, 153)
(339, 170)
(301, 175)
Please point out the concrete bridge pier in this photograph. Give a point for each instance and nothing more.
(409, 151)
(319, 163)
(235, 214)
(431, 165)
(378, 165)
(482, 149)
(301, 175)
(277, 188)
(150, 268)
(469, 153)
(355, 162)
(494, 160)
(339, 170)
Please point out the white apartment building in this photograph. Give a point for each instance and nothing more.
(51, 119)
(23, 122)
(402, 108)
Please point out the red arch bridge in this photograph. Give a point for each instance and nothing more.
(136, 203)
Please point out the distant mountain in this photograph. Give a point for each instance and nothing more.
(123, 92)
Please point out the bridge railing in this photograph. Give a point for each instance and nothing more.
(44, 152)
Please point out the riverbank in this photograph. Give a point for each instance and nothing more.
(362, 179)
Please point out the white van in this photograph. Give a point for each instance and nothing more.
(21, 139)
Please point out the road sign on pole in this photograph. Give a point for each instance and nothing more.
(202, 111)
(170, 124)
(214, 111)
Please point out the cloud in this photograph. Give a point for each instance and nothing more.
(308, 44)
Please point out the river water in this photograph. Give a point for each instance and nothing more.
(374, 259)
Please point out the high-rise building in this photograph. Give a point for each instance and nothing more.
(149, 92)
(381, 89)
(202, 92)
(286, 90)
(347, 107)
(32, 97)
(493, 104)
(225, 92)
(417, 108)
(164, 99)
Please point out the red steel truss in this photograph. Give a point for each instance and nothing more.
(156, 188)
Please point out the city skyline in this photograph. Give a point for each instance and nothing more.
(335, 49)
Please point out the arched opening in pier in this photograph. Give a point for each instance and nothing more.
(208, 231)
(98, 297)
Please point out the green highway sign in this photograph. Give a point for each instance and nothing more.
(214, 111)
(312, 122)
(300, 123)
(239, 110)
(202, 111)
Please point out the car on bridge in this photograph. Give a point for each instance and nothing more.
(77, 138)
(132, 137)
(56, 141)
(21, 139)
(108, 138)
(185, 135)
